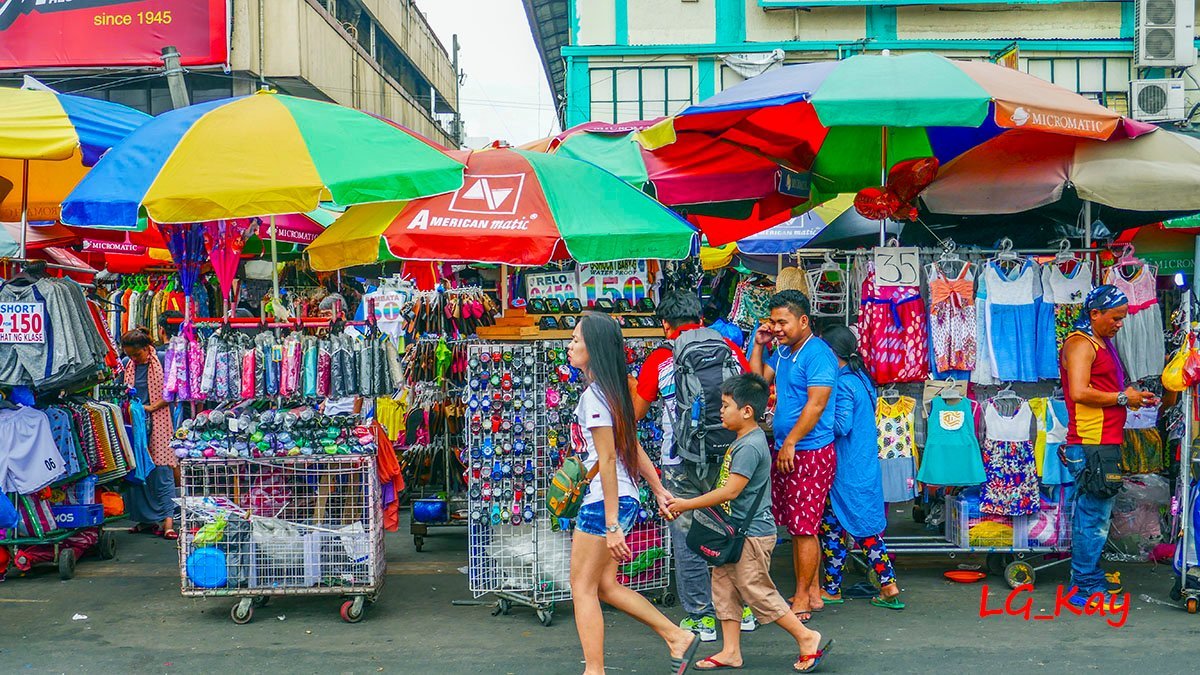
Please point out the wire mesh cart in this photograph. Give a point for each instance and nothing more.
(305, 525)
(521, 399)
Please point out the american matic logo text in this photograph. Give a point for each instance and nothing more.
(485, 196)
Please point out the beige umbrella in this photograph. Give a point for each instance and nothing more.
(1020, 172)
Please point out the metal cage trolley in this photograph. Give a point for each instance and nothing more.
(303, 525)
(521, 398)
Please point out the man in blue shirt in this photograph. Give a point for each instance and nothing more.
(804, 371)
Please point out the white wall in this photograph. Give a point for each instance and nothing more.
(672, 22)
(597, 21)
(1067, 21)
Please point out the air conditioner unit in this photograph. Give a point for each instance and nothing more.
(1164, 33)
(1157, 100)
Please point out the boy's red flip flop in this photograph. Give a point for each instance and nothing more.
(709, 663)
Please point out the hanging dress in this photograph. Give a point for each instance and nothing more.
(952, 318)
(1142, 449)
(893, 336)
(1011, 488)
(1053, 471)
(1020, 344)
(952, 454)
(1066, 292)
(1140, 340)
(897, 448)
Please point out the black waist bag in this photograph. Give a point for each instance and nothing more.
(713, 538)
(1101, 471)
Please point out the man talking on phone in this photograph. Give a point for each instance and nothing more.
(804, 371)
(1097, 397)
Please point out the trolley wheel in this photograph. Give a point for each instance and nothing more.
(66, 564)
(667, 599)
(352, 610)
(418, 542)
(918, 514)
(1019, 573)
(262, 600)
(242, 612)
(106, 546)
(1193, 605)
(503, 606)
(1176, 593)
(546, 616)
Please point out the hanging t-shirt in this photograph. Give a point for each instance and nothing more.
(29, 459)
(593, 412)
(812, 365)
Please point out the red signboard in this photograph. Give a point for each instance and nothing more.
(110, 33)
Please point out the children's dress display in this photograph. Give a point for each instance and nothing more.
(1142, 449)
(1065, 291)
(893, 336)
(952, 317)
(1140, 340)
(951, 454)
(1020, 339)
(897, 448)
(1053, 471)
(1011, 488)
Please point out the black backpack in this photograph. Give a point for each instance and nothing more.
(702, 360)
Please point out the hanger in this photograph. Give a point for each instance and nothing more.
(949, 391)
(890, 394)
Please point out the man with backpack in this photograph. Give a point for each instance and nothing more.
(686, 373)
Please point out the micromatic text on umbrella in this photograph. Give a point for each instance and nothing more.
(1114, 609)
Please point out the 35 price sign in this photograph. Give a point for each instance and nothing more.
(22, 322)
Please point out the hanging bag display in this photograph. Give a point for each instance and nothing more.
(564, 496)
(715, 539)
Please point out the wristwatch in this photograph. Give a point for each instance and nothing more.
(1122, 399)
(610, 529)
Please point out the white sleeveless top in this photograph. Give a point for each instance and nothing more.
(1001, 428)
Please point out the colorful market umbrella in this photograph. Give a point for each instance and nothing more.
(515, 207)
(834, 224)
(1133, 181)
(843, 126)
(690, 175)
(36, 237)
(259, 155)
(47, 142)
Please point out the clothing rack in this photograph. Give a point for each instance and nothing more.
(47, 265)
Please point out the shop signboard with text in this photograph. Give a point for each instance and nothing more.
(22, 323)
(111, 33)
(625, 279)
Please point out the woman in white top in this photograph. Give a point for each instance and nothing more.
(605, 431)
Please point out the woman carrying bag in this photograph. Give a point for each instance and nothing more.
(604, 436)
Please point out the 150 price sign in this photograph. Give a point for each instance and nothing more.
(22, 322)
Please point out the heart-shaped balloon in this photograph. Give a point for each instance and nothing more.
(875, 203)
(906, 212)
(908, 178)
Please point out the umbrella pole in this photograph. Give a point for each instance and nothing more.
(883, 170)
(275, 301)
(503, 290)
(24, 205)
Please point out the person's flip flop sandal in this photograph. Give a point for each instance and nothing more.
(804, 619)
(887, 603)
(679, 666)
(170, 534)
(713, 664)
(817, 658)
(834, 601)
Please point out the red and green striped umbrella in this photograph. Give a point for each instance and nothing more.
(516, 208)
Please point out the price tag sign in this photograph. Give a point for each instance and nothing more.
(628, 280)
(560, 285)
(897, 266)
(22, 322)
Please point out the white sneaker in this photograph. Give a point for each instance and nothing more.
(749, 623)
(706, 627)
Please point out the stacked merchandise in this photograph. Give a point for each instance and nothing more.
(233, 367)
(243, 433)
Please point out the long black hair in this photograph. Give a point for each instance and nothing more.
(845, 346)
(607, 369)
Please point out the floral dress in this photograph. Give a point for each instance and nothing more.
(1011, 488)
(893, 335)
(952, 318)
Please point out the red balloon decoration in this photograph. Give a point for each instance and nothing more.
(908, 178)
(875, 203)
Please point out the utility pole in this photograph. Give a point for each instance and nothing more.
(458, 78)
(174, 73)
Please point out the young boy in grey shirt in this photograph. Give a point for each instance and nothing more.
(745, 474)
